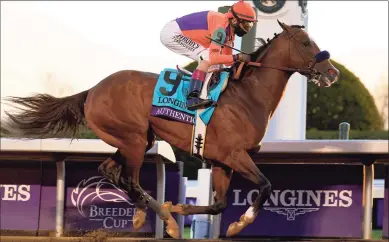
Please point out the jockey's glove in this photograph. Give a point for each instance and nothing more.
(241, 57)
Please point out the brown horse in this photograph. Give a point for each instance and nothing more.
(118, 108)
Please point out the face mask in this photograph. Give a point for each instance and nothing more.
(239, 31)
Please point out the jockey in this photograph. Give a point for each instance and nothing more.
(187, 36)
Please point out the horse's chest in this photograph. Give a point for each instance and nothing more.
(245, 126)
(255, 133)
(253, 128)
(256, 123)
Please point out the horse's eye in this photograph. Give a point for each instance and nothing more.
(306, 43)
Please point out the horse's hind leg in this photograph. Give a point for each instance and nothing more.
(134, 156)
(221, 177)
(112, 170)
(241, 162)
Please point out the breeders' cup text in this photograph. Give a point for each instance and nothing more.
(112, 217)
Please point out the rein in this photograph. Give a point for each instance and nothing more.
(308, 71)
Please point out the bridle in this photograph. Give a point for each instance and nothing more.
(310, 72)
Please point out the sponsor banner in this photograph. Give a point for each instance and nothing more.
(28, 197)
(386, 205)
(93, 203)
(307, 200)
(48, 196)
(19, 195)
(379, 213)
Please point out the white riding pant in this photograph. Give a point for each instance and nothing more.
(173, 39)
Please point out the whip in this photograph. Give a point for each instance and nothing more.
(226, 45)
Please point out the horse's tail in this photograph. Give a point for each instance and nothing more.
(44, 116)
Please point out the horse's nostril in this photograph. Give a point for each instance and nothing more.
(332, 72)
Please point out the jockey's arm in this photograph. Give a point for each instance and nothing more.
(219, 55)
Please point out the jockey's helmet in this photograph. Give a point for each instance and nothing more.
(245, 15)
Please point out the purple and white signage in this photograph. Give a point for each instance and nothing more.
(48, 197)
(19, 195)
(28, 198)
(307, 201)
(379, 214)
(386, 206)
(94, 203)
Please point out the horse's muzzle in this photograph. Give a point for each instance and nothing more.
(328, 74)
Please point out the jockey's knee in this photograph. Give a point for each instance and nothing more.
(162, 38)
(203, 65)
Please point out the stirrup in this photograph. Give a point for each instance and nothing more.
(201, 103)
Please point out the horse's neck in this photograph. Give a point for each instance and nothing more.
(267, 86)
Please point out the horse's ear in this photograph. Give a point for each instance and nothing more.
(282, 25)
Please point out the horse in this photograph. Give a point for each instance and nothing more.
(117, 109)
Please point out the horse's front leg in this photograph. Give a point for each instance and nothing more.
(242, 163)
(221, 177)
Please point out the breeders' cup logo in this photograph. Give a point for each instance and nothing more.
(292, 203)
(99, 200)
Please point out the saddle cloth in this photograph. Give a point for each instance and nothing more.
(169, 101)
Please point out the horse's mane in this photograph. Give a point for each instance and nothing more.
(258, 52)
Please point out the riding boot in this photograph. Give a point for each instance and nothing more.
(196, 84)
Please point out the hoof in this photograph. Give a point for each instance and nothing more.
(179, 208)
(172, 228)
(167, 206)
(139, 219)
(171, 224)
(234, 229)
